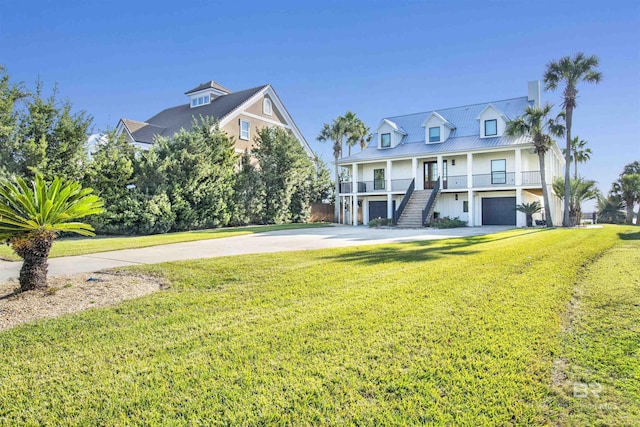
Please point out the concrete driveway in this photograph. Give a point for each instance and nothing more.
(274, 241)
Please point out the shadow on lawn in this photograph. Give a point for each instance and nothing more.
(629, 236)
(422, 250)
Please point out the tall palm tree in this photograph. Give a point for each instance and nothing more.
(31, 216)
(536, 123)
(335, 132)
(581, 191)
(356, 131)
(579, 154)
(570, 71)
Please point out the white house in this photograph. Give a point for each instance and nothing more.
(454, 161)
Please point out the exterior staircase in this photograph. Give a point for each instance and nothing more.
(412, 214)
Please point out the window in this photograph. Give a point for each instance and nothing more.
(378, 179)
(434, 134)
(465, 206)
(490, 127)
(499, 171)
(201, 100)
(266, 107)
(244, 129)
(385, 140)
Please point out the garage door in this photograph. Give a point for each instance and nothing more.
(499, 211)
(377, 210)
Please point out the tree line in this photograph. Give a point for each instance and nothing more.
(191, 180)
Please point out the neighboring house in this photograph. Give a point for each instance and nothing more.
(240, 115)
(453, 161)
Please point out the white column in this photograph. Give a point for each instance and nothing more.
(354, 178)
(388, 175)
(355, 210)
(518, 166)
(471, 208)
(390, 206)
(414, 168)
(365, 211)
(469, 174)
(521, 218)
(440, 169)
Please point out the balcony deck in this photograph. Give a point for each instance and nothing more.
(456, 182)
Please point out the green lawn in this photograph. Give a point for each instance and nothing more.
(454, 332)
(90, 245)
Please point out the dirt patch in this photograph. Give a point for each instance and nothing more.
(71, 294)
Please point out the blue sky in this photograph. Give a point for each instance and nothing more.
(132, 59)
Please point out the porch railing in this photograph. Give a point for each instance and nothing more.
(398, 213)
(375, 186)
(457, 181)
(431, 201)
(494, 179)
(531, 178)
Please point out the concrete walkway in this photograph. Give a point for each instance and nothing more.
(274, 241)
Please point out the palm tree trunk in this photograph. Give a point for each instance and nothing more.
(34, 250)
(629, 219)
(545, 190)
(566, 222)
(336, 207)
(575, 162)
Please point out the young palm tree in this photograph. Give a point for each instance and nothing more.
(335, 132)
(628, 187)
(579, 154)
(540, 128)
(581, 191)
(610, 209)
(31, 216)
(570, 71)
(529, 209)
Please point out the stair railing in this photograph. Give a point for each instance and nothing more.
(431, 201)
(398, 213)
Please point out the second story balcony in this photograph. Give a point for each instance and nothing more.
(376, 186)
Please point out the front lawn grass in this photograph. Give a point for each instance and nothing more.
(89, 245)
(451, 332)
(601, 346)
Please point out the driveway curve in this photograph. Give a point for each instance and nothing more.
(273, 241)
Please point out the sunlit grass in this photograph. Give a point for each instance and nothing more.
(90, 245)
(451, 332)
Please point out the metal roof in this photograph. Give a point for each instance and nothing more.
(208, 85)
(465, 136)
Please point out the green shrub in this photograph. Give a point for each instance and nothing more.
(446, 222)
(380, 222)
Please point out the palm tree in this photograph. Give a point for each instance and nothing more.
(529, 209)
(628, 187)
(570, 71)
(579, 154)
(355, 131)
(31, 216)
(335, 132)
(581, 191)
(539, 127)
(610, 209)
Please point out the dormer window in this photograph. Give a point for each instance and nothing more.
(200, 100)
(434, 134)
(490, 127)
(266, 107)
(385, 140)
